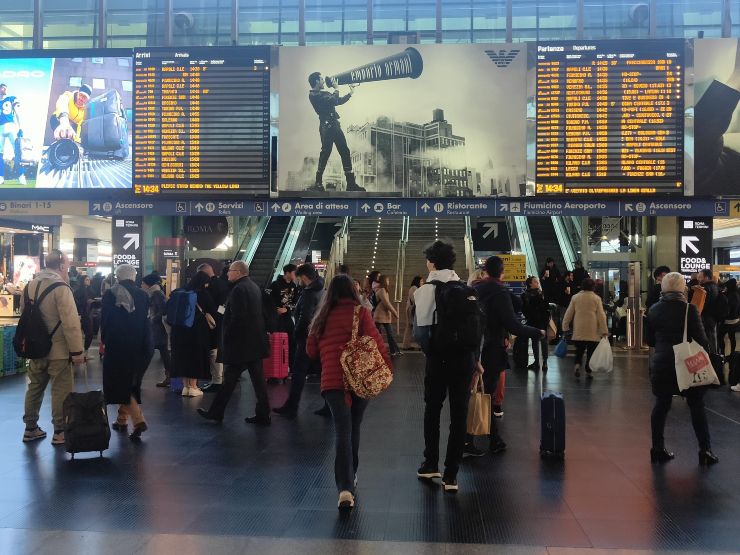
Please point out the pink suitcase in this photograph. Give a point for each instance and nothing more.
(275, 366)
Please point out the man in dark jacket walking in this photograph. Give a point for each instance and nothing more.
(218, 290)
(653, 295)
(500, 321)
(313, 292)
(244, 345)
(549, 278)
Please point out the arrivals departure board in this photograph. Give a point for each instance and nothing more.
(202, 120)
(610, 117)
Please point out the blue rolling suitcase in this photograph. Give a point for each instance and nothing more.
(552, 440)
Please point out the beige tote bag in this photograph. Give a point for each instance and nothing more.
(479, 409)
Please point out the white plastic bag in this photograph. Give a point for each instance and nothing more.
(602, 360)
(693, 365)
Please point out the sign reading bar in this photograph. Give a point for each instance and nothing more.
(127, 242)
(694, 245)
(202, 120)
(609, 117)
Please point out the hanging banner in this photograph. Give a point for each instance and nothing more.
(694, 245)
(127, 242)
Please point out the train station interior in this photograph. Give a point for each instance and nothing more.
(589, 147)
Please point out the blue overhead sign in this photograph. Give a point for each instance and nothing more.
(456, 207)
(386, 207)
(313, 207)
(178, 208)
(550, 207)
(678, 207)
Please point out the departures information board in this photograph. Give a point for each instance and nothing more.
(202, 120)
(609, 117)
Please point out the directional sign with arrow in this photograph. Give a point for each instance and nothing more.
(695, 245)
(735, 208)
(126, 241)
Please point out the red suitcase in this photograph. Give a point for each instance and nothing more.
(276, 365)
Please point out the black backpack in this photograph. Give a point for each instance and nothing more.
(32, 339)
(458, 325)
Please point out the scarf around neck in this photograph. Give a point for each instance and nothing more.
(123, 297)
(674, 296)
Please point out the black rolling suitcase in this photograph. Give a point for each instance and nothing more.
(734, 360)
(86, 427)
(520, 352)
(552, 440)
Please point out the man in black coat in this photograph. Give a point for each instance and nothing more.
(500, 321)
(218, 290)
(709, 316)
(653, 295)
(313, 292)
(579, 274)
(549, 278)
(244, 345)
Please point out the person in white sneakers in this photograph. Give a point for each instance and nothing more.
(50, 289)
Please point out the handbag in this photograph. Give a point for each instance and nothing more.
(365, 372)
(552, 330)
(562, 348)
(210, 320)
(479, 409)
(693, 365)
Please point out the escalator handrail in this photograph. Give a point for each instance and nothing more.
(255, 240)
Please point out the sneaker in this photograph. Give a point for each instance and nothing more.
(185, 391)
(22, 179)
(195, 392)
(533, 366)
(449, 484)
(36, 433)
(164, 383)
(498, 411)
(346, 500)
(735, 388)
(427, 471)
(470, 450)
(497, 446)
(57, 438)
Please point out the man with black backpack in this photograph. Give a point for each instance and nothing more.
(49, 334)
(447, 326)
(715, 310)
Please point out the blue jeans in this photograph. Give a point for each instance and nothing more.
(392, 345)
(347, 422)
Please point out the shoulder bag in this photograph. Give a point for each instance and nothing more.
(365, 372)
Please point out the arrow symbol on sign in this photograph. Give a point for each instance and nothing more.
(425, 207)
(492, 228)
(365, 207)
(133, 239)
(688, 243)
(504, 208)
(737, 207)
(275, 207)
(199, 207)
(96, 206)
(628, 207)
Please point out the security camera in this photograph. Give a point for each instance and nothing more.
(184, 21)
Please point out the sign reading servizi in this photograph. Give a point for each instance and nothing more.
(694, 245)
(127, 242)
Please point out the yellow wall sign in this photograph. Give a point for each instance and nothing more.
(515, 267)
(735, 208)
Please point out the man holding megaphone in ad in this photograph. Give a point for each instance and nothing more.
(325, 103)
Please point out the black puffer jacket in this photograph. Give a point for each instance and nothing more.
(536, 309)
(306, 307)
(665, 322)
(495, 300)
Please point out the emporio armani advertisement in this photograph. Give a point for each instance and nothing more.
(402, 121)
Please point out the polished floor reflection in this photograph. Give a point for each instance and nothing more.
(194, 487)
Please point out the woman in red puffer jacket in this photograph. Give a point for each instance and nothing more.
(330, 331)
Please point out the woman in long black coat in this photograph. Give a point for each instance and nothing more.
(665, 324)
(127, 336)
(191, 347)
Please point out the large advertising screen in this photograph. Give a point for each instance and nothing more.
(402, 121)
(64, 120)
(716, 137)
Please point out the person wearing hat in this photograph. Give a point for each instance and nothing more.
(157, 313)
(10, 131)
(69, 110)
(127, 335)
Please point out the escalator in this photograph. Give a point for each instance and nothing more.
(545, 242)
(261, 267)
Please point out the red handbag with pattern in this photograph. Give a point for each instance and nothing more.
(365, 372)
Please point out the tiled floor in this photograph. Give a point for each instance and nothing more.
(193, 487)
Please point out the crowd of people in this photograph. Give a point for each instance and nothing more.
(229, 334)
